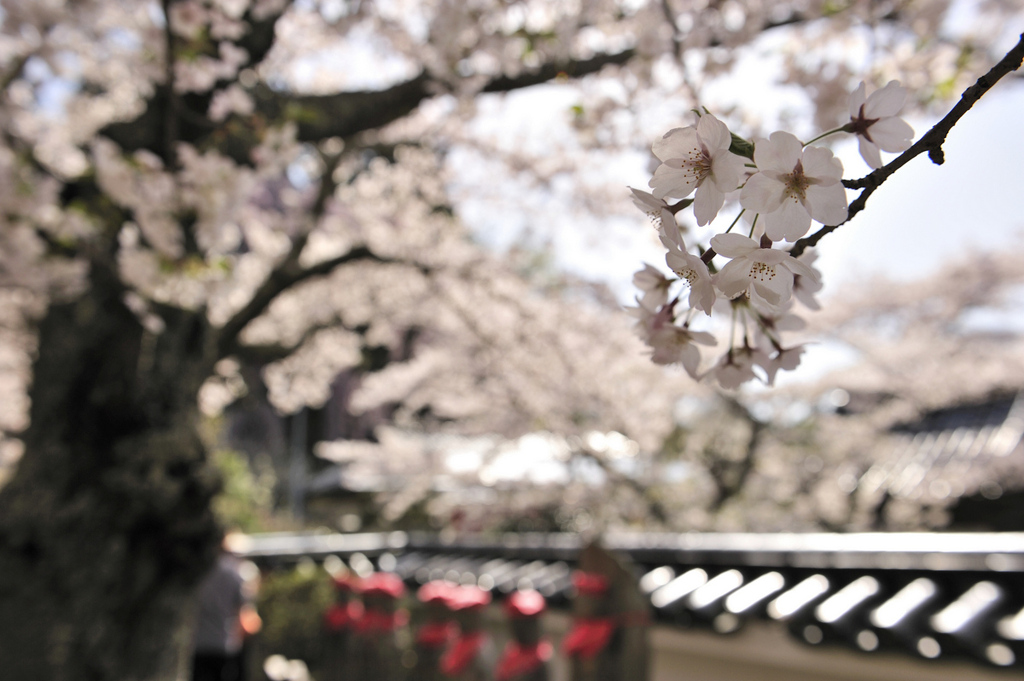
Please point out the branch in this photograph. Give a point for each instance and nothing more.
(287, 275)
(721, 469)
(574, 68)
(930, 142)
(654, 507)
(259, 355)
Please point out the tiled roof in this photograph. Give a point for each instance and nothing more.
(952, 453)
(930, 595)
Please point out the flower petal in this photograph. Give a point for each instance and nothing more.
(780, 152)
(734, 278)
(869, 152)
(703, 297)
(790, 222)
(857, 99)
(892, 134)
(676, 143)
(886, 102)
(774, 285)
(689, 357)
(713, 132)
(733, 245)
(672, 181)
(708, 200)
(762, 194)
(821, 167)
(703, 337)
(725, 170)
(827, 204)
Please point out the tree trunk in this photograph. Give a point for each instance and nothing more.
(106, 527)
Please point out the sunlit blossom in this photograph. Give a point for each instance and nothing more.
(764, 274)
(873, 119)
(697, 158)
(794, 185)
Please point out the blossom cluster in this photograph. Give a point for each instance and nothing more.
(782, 186)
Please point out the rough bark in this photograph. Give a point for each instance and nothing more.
(106, 527)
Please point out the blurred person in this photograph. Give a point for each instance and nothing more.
(226, 616)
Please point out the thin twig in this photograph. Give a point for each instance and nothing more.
(930, 142)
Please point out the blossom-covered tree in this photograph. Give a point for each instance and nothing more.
(188, 185)
(796, 458)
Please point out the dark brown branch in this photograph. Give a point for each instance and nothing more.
(930, 142)
(731, 476)
(573, 68)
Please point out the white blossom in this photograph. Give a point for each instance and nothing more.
(874, 121)
(669, 343)
(805, 288)
(736, 367)
(764, 274)
(654, 208)
(697, 158)
(695, 273)
(793, 185)
(786, 359)
(653, 284)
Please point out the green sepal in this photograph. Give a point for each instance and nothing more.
(741, 147)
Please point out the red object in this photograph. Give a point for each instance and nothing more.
(379, 622)
(588, 636)
(590, 583)
(519, 659)
(465, 597)
(383, 583)
(341, 616)
(436, 591)
(435, 635)
(465, 648)
(525, 604)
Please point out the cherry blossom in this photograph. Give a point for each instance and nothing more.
(697, 158)
(670, 344)
(689, 268)
(874, 121)
(804, 288)
(764, 274)
(786, 359)
(653, 284)
(654, 208)
(794, 185)
(736, 367)
(695, 273)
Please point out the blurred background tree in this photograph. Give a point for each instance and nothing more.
(209, 200)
